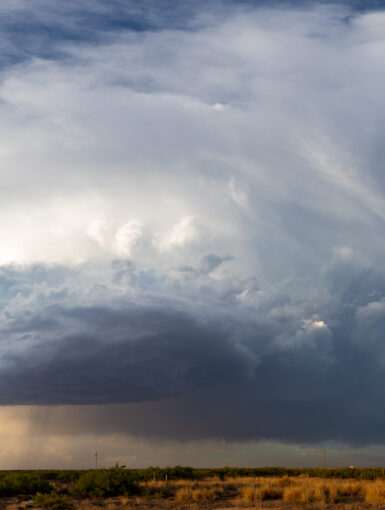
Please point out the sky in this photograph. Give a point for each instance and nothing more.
(192, 232)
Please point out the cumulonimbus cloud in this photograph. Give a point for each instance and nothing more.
(251, 358)
(200, 225)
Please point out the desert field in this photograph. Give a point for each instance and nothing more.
(160, 489)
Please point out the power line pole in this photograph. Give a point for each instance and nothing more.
(324, 458)
(96, 460)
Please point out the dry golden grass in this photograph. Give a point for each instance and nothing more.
(294, 495)
(270, 491)
(180, 483)
(245, 480)
(285, 481)
(187, 494)
(318, 494)
(375, 493)
(350, 489)
(317, 490)
(250, 494)
(314, 492)
(207, 494)
(331, 489)
(297, 491)
(261, 492)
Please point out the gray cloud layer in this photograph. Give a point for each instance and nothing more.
(240, 362)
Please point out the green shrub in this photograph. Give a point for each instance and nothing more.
(115, 481)
(52, 501)
(18, 483)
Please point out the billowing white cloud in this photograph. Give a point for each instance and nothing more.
(183, 232)
(98, 230)
(128, 236)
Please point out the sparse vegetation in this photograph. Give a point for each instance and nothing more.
(166, 488)
(106, 482)
(52, 501)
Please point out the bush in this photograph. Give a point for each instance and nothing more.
(14, 484)
(52, 501)
(115, 481)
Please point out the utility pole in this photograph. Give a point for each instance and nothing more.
(96, 460)
(324, 458)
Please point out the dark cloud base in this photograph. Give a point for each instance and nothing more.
(121, 356)
(199, 366)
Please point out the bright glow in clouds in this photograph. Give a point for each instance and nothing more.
(183, 232)
(192, 228)
(128, 236)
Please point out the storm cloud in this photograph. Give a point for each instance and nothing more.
(228, 360)
(192, 221)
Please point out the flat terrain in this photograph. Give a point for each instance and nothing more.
(214, 493)
(119, 503)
